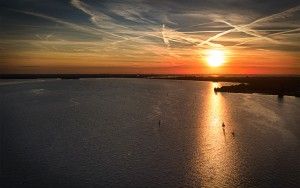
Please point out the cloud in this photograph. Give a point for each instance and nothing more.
(85, 29)
(132, 11)
(271, 35)
(248, 31)
(99, 19)
(283, 14)
(152, 31)
(165, 39)
(245, 28)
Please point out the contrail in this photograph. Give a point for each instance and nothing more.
(215, 37)
(268, 18)
(182, 38)
(165, 39)
(248, 31)
(39, 37)
(287, 31)
(85, 29)
(201, 24)
(95, 17)
(273, 34)
(283, 14)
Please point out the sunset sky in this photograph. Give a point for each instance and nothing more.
(149, 36)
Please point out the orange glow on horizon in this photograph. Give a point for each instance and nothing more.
(236, 61)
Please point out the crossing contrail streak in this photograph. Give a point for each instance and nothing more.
(267, 18)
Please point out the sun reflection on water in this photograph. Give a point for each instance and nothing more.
(216, 160)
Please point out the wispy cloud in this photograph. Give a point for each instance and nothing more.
(246, 28)
(99, 19)
(85, 29)
(165, 39)
(154, 31)
(248, 31)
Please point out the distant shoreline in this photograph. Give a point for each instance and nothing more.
(265, 84)
(272, 85)
(196, 77)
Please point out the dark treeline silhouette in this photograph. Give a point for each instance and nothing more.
(267, 85)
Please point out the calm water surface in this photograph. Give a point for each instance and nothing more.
(106, 132)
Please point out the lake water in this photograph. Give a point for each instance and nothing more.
(145, 133)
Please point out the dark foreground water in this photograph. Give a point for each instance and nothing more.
(106, 132)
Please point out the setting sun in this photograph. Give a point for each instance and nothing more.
(215, 58)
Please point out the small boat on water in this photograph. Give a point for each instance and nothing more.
(223, 125)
